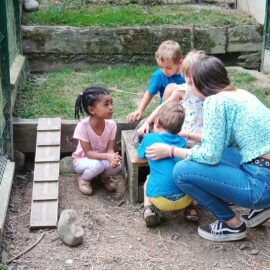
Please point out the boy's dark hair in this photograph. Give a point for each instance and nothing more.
(171, 116)
(210, 76)
(87, 98)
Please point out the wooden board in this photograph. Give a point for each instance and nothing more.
(44, 209)
(45, 138)
(45, 191)
(46, 171)
(49, 124)
(47, 154)
(127, 136)
(44, 214)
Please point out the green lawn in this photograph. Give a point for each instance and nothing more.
(53, 94)
(78, 13)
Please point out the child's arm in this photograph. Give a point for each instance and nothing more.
(117, 160)
(139, 160)
(175, 96)
(136, 115)
(195, 136)
(88, 151)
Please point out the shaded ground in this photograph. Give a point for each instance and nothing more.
(116, 237)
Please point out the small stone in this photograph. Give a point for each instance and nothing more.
(139, 239)
(66, 166)
(19, 159)
(70, 232)
(69, 261)
(30, 5)
(244, 246)
(254, 252)
(121, 203)
(175, 236)
(130, 246)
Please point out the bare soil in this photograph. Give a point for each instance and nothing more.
(116, 236)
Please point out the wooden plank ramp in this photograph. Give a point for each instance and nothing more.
(44, 208)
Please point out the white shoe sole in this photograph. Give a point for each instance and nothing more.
(259, 219)
(221, 237)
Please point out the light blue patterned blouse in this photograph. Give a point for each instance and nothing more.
(227, 122)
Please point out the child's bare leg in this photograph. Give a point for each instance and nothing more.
(150, 216)
(191, 212)
(168, 90)
(194, 211)
(146, 201)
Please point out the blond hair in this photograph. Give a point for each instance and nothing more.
(169, 50)
(171, 116)
(191, 58)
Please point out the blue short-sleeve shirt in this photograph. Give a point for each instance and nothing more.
(160, 181)
(159, 81)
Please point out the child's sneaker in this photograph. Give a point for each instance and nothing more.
(221, 231)
(256, 217)
(108, 183)
(85, 186)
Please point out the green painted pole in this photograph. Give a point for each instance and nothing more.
(5, 81)
(17, 14)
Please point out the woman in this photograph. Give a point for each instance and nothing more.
(212, 172)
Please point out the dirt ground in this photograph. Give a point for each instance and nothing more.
(117, 238)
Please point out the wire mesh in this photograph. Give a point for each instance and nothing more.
(3, 163)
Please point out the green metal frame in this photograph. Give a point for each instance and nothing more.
(5, 80)
(267, 26)
(17, 12)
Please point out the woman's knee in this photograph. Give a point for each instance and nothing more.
(183, 170)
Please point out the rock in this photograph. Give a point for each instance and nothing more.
(19, 159)
(69, 261)
(30, 5)
(250, 61)
(244, 245)
(66, 166)
(70, 232)
(254, 252)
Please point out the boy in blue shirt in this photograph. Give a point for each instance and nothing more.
(159, 189)
(169, 58)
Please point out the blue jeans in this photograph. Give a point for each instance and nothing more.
(244, 185)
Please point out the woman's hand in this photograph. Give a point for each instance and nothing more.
(158, 151)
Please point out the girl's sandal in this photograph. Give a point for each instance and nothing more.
(187, 213)
(152, 219)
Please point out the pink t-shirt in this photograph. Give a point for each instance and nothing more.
(84, 132)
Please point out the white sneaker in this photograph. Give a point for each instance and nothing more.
(30, 5)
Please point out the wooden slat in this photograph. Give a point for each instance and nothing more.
(45, 138)
(46, 171)
(127, 136)
(43, 191)
(47, 154)
(44, 209)
(44, 214)
(49, 124)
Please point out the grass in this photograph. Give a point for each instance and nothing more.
(80, 14)
(53, 94)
